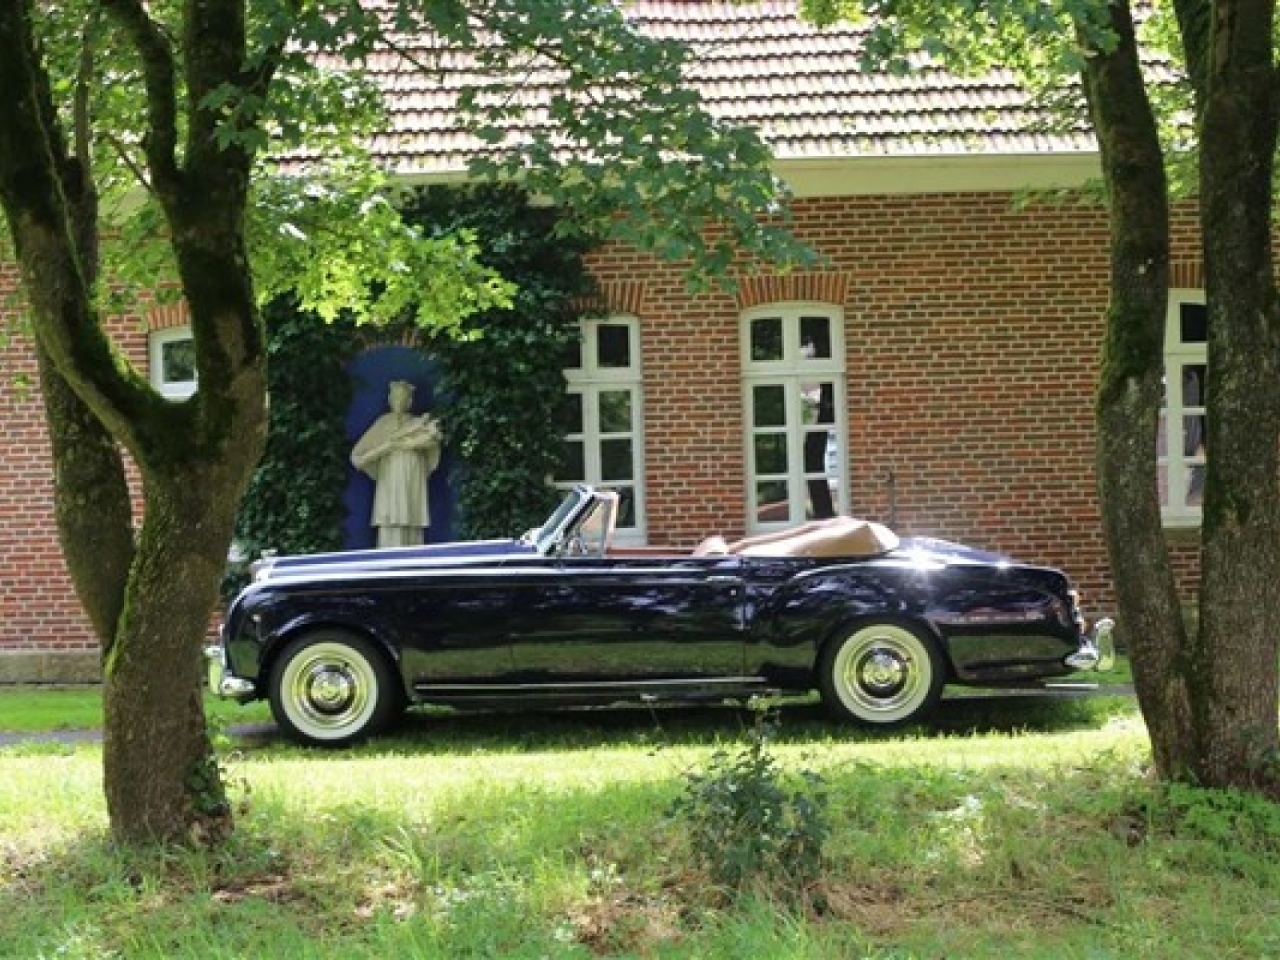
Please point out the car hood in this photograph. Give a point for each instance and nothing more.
(302, 564)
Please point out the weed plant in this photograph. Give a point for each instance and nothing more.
(751, 823)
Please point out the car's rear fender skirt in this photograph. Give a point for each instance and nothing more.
(790, 625)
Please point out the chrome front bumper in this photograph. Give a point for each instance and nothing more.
(1098, 650)
(221, 683)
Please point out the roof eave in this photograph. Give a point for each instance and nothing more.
(937, 173)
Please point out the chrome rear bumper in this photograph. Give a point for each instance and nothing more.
(1097, 651)
(221, 683)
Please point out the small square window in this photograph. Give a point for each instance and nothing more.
(815, 338)
(173, 362)
(766, 340)
(1193, 323)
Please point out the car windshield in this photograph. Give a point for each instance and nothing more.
(545, 537)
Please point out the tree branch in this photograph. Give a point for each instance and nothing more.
(156, 51)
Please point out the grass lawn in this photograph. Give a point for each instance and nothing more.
(1009, 828)
(46, 710)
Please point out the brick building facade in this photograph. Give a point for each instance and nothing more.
(970, 332)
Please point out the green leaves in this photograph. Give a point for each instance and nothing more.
(338, 243)
(753, 825)
(502, 375)
(502, 369)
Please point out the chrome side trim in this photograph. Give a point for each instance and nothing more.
(588, 685)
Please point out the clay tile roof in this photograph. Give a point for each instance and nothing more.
(755, 64)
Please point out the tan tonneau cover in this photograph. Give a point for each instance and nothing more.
(836, 537)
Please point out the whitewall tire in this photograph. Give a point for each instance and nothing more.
(332, 688)
(882, 674)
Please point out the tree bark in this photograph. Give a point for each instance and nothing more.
(1209, 696)
(1233, 663)
(160, 773)
(1129, 392)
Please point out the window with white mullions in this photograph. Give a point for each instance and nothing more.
(793, 373)
(1180, 445)
(602, 432)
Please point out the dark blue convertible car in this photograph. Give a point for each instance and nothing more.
(341, 643)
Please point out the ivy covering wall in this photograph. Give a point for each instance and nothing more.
(507, 385)
(502, 377)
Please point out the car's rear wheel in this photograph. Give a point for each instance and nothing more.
(882, 674)
(332, 688)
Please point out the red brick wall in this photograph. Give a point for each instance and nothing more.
(38, 607)
(972, 336)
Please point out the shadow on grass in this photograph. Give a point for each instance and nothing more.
(439, 731)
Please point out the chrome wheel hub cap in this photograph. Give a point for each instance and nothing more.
(330, 689)
(882, 672)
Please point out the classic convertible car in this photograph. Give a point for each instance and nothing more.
(340, 643)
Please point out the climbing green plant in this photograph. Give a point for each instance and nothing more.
(502, 380)
(503, 374)
(294, 503)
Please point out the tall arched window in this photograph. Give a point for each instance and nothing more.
(1180, 448)
(603, 440)
(794, 386)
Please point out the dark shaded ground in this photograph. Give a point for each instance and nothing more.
(963, 710)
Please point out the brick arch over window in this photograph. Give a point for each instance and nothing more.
(1186, 274)
(168, 316)
(618, 296)
(793, 287)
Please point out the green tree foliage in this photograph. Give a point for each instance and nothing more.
(294, 501)
(502, 373)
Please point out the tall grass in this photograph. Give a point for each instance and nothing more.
(1013, 829)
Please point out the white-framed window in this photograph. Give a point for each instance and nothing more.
(793, 372)
(1180, 451)
(603, 442)
(173, 362)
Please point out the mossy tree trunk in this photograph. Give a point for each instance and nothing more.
(150, 595)
(1233, 659)
(1208, 694)
(1130, 387)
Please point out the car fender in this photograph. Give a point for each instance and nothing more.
(791, 622)
(276, 636)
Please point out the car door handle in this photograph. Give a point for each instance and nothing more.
(722, 578)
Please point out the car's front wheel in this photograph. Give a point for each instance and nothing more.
(333, 688)
(882, 674)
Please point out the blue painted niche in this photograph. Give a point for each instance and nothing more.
(372, 373)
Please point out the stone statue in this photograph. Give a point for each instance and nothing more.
(399, 452)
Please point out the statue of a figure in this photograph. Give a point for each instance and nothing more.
(399, 452)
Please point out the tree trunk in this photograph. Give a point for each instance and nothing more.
(91, 501)
(151, 603)
(1130, 389)
(161, 776)
(1233, 665)
(1209, 699)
